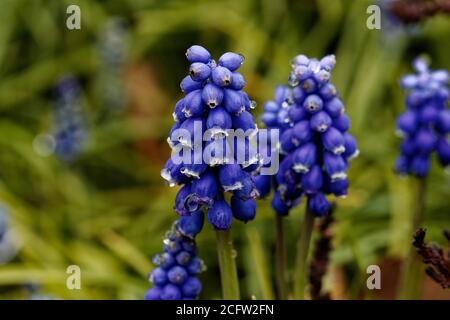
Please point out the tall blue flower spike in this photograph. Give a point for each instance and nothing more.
(176, 274)
(213, 101)
(425, 124)
(70, 131)
(315, 146)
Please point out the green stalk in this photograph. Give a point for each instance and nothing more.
(280, 259)
(227, 264)
(412, 268)
(301, 266)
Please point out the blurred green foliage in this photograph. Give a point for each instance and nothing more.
(107, 212)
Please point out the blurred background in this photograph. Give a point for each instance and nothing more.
(84, 115)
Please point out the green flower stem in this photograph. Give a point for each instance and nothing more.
(412, 268)
(227, 264)
(280, 259)
(301, 266)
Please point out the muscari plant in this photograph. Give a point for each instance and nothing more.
(424, 126)
(70, 130)
(315, 148)
(214, 103)
(175, 277)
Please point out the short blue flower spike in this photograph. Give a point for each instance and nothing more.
(425, 124)
(175, 277)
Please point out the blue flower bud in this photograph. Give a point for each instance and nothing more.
(300, 59)
(178, 114)
(191, 225)
(335, 166)
(283, 119)
(333, 141)
(441, 76)
(193, 104)
(198, 54)
(302, 132)
(313, 103)
(233, 101)
(231, 176)
(172, 173)
(425, 141)
(322, 77)
(288, 141)
(312, 180)
(271, 106)
(248, 190)
(183, 258)
(164, 260)
(187, 85)
(220, 215)
(408, 147)
(199, 71)
(192, 287)
(328, 91)
(231, 60)
(181, 201)
(263, 184)
(282, 94)
(244, 210)
(342, 123)
(269, 119)
(221, 76)
(159, 276)
(212, 95)
(443, 122)
(328, 62)
(280, 206)
(298, 95)
(172, 247)
(297, 113)
(304, 157)
(205, 189)
(318, 204)
(219, 121)
(237, 81)
(244, 121)
(420, 165)
(351, 149)
(309, 86)
(407, 122)
(339, 188)
(170, 292)
(320, 121)
(443, 151)
(334, 107)
(177, 275)
(428, 115)
(196, 266)
(153, 294)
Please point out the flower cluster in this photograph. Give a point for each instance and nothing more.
(70, 128)
(425, 124)
(175, 277)
(214, 103)
(316, 147)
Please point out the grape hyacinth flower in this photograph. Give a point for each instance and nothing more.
(316, 150)
(70, 131)
(425, 124)
(213, 101)
(205, 160)
(176, 274)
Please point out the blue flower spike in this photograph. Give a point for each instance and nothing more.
(315, 144)
(425, 125)
(176, 274)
